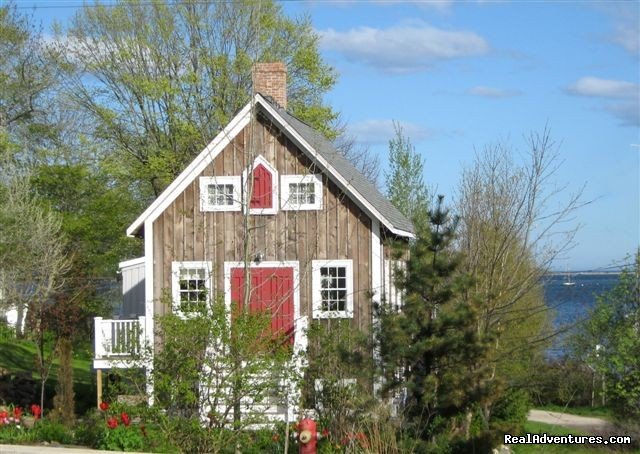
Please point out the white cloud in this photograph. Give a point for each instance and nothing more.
(626, 26)
(627, 112)
(626, 106)
(604, 88)
(438, 5)
(491, 92)
(628, 36)
(403, 48)
(381, 131)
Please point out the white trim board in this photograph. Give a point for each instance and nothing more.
(217, 145)
(193, 170)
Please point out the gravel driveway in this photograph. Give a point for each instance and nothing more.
(585, 424)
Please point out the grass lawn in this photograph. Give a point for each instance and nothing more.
(549, 429)
(20, 356)
(597, 412)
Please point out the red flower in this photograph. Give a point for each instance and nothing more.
(104, 406)
(17, 412)
(112, 422)
(36, 410)
(325, 432)
(275, 437)
(4, 417)
(125, 418)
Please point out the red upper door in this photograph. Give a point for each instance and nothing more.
(262, 195)
(271, 290)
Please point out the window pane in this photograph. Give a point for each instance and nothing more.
(220, 194)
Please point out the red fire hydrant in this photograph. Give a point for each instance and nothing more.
(308, 436)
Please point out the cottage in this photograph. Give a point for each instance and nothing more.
(316, 228)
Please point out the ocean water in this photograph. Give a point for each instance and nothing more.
(571, 304)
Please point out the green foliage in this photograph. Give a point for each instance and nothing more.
(432, 349)
(609, 341)
(339, 378)
(512, 407)
(155, 122)
(404, 182)
(95, 214)
(14, 434)
(563, 382)
(52, 432)
(122, 438)
(212, 360)
(25, 73)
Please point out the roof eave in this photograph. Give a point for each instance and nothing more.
(302, 143)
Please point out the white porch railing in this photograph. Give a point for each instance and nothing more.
(118, 338)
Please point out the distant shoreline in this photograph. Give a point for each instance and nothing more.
(583, 273)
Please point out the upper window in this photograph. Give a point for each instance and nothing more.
(332, 288)
(220, 194)
(263, 190)
(301, 192)
(191, 286)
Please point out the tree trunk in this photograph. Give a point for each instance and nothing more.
(64, 401)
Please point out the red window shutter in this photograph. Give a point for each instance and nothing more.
(262, 196)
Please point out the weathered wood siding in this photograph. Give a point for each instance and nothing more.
(339, 231)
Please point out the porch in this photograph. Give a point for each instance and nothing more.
(118, 342)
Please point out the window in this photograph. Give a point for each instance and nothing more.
(191, 282)
(220, 194)
(332, 288)
(301, 192)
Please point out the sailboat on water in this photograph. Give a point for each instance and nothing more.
(567, 280)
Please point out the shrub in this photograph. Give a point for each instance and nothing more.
(512, 407)
(53, 432)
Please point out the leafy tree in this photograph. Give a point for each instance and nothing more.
(510, 234)
(24, 73)
(609, 341)
(94, 213)
(216, 360)
(161, 79)
(405, 186)
(432, 349)
(338, 379)
(34, 259)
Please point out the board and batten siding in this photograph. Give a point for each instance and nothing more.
(132, 272)
(340, 230)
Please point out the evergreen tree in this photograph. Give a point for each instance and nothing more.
(404, 183)
(431, 349)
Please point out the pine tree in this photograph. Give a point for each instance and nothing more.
(431, 348)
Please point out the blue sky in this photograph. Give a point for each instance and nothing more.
(462, 75)
(459, 76)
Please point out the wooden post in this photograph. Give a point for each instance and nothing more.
(99, 383)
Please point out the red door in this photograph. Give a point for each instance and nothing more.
(271, 290)
(261, 196)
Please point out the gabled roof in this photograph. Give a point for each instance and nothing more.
(314, 144)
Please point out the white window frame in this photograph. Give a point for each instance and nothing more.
(285, 196)
(316, 265)
(176, 267)
(205, 182)
(274, 186)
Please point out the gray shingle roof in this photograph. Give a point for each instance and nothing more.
(357, 182)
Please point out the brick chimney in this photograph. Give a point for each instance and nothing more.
(270, 79)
